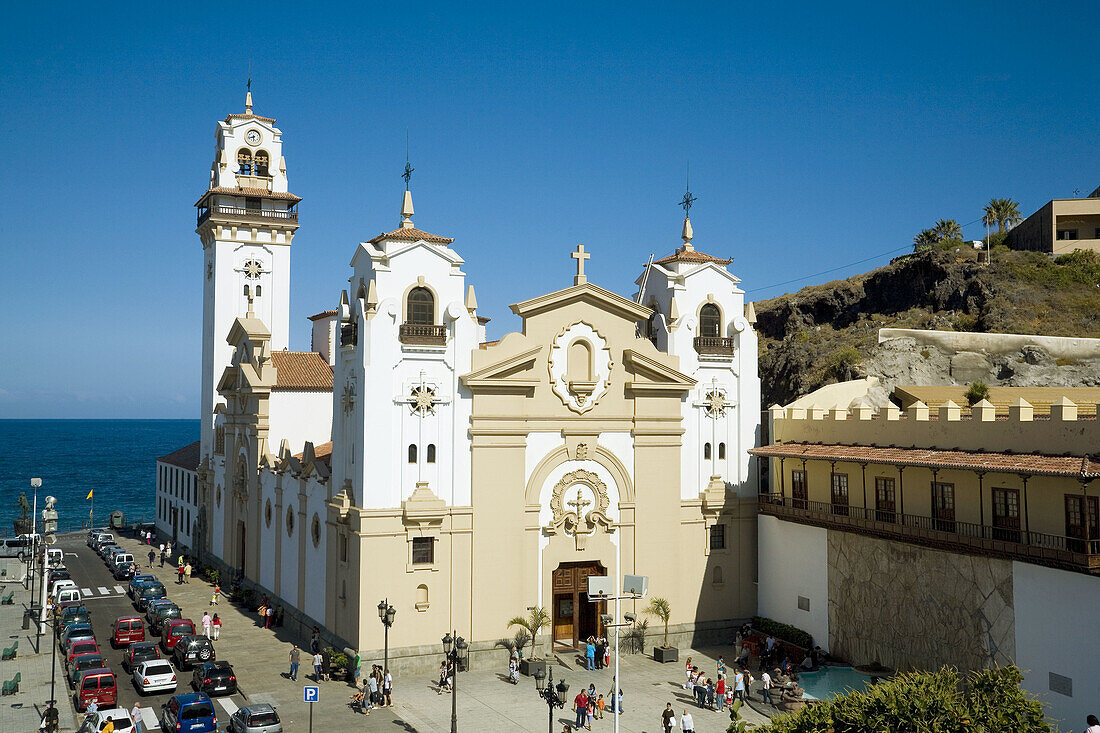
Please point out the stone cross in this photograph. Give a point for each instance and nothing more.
(579, 504)
(580, 256)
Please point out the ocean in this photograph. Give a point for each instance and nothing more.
(115, 458)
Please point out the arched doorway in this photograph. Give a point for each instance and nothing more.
(574, 617)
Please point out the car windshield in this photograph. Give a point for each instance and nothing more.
(158, 668)
(198, 710)
(268, 718)
(183, 630)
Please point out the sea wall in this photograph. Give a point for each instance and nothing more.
(1059, 347)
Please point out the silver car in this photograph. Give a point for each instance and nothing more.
(155, 675)
(260, 718)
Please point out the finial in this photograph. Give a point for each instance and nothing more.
(407, 201)
(248, 92)
(686, 203)
(580, 256)
(408, 168)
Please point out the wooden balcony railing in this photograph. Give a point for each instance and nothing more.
(421, 335)
(945, 534)
(715, 345)
(242, 213)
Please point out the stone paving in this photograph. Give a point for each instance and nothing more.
(23, 711)
(485, 699)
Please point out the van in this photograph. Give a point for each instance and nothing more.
(127, 630)
(175, 630)
(55, 557)
(98, 685)
(16, 547)
(192, 712)
(121, 557)
(67, 595)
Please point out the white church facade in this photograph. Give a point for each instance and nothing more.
(405, 457)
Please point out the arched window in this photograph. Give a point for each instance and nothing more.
(651, 328)
(431, 453)
(421, 308)
(721, 451)
(244, 162)
(412, 452)
(710, 320)
(261, 163)
(706, 451)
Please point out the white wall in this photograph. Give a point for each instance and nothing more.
(1056, 616)
(794, 561)
(298, 417)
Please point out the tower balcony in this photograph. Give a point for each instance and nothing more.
(415, 334)
(247, 215)
(715, 345)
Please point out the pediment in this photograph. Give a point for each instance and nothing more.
(651, 375)
(252, 329)
(585, 293)
(397, 248)
(515, 372)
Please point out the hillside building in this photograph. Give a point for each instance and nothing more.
(1060, 226)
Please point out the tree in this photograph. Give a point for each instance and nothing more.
(1002, 212)
(924, 239)
(535, 621)
(978, 391)
(947, 229)
(660, 608)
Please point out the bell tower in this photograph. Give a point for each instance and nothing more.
(246, 222)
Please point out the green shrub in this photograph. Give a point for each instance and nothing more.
(926, 354)
(982, 701)
(785, 632)
(977, 392)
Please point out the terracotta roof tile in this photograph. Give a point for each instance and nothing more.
(690, 255)
(249, 116)
(322, 452)
(1026, 463)
(412, 234)
(251, 192)
(186, 457)
(301, 371)
(323, 314)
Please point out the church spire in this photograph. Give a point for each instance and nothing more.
(407, 202)
(686, 203)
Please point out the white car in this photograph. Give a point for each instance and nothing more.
(156, 675)
(62, 585)
(97, 721)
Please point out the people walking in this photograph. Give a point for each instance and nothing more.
(315, 641)
(179, 575)
(187, 572)
(152, 556)
(580, 703)
(686, 722)
(442, 677)
(216, 625)
(295, 657)
(135, 714)
(318, 663)
(206, 620)
(668, 718)
(214, 594)
(270, 617)
(590, 654)
(766, 693)
(161, 554)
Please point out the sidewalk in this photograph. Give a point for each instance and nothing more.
(23, 711)
(485, 699)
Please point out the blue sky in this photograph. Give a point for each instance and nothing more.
(818, 136)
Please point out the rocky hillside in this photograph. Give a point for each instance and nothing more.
(828, 333)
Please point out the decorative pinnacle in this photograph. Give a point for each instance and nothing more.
(686, 203)
(248, 91)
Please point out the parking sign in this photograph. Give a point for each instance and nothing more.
(310, 694)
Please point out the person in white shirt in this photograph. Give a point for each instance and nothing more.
(206, 624)
(135, 715)
(1093, 724)
(686, 723)
(766, 694)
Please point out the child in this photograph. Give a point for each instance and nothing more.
(590, 713)
(214, 596)
(600, 705)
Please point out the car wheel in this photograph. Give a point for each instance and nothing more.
(204, 654)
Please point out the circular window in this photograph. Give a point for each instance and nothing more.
(290, 521)
(218, 496)
(315, 530)
(267, 513)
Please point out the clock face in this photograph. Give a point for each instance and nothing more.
(253, 137)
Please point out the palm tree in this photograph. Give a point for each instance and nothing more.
(534, 622)
(947, 229)
(924, 239)
(660, 608)
(1002, 212)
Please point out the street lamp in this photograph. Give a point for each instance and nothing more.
(456, 650)
(553, 695)
(386, 612)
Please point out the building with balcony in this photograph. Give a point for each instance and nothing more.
(1060, 226)
(926, 537)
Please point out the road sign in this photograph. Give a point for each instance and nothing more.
(310, 693)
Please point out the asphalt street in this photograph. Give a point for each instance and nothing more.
(107, 600)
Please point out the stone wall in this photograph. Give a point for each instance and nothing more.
(910, 607)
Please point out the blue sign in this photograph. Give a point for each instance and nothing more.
(309, 694)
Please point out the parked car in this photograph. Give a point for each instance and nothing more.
(55, 557)
(106, 550)
(75, 614)
(123, 570)
(19, 547)
(96, 684)
(62, 596)
(193, 712)
(81, 664)
(148, 593)
(117, 558)
(74, 633)
(56, 575)
(140, 581)
(138, 653)
(154, 676)
(61, 585)
(97, 721)
(81, 647)
(98, 537)
(126, 630)
(214, 678)
(162, 614)
(259, 718)
(193, 650)
(174, 630)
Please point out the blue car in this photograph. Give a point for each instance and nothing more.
(193, 712)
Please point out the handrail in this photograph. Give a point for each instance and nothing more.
(724, 345)
(221, 209)
(425, 334)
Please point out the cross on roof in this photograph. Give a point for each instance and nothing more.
(580, 256)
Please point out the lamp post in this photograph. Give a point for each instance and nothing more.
(553, 695)
(456, 650)
(386, 612)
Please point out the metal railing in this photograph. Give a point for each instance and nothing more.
(720, 345)
(242, 212)
(944, 533)
(428, 335)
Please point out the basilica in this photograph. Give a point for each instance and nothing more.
(408, 460)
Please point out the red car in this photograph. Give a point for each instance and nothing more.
(98, 685)
(127, 630)
(85, 646)
(174, 630)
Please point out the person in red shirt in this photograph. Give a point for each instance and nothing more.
(581, 703)
(720, 691)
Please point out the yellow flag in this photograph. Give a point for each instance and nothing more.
(89, 496)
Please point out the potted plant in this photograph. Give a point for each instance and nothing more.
(337, 664)
(660, 608)
(534, 622)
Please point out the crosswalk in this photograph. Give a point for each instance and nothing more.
(102, 591)
(149, 719)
